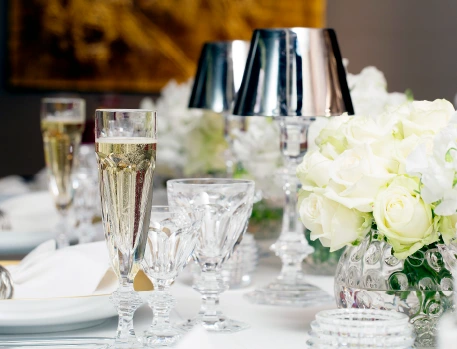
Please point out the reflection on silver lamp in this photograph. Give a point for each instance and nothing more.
(294, 75)
(219, 75)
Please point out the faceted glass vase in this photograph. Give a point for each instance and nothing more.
(421, 286)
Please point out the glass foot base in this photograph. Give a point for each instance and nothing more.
(216, 324)
(161, 337)
(298, 295)
(131, 343)
(224, 325)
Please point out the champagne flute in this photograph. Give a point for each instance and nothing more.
(62, 124)
(125, 147)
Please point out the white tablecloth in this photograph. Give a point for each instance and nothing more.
(271, 326)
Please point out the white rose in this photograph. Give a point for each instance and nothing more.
(331, 140)
(403, 217)
(333, 224)
(426, 117)
(360, 130)
(314, 170)
(395, 99)
(402, 149)
(435, 164)
(315, 129)
(355, 178)
(447, 226)
(370, 78)
(368, 91)
(380, 132)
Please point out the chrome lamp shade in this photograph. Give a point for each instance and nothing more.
(219, 74)
(294, 72)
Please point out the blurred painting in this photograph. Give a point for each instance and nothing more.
(131, 45)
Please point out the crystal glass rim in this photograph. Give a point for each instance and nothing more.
(126, 110)
(210, 181)
(272, 30)
(333, 316)
(166, 209)
(62, 100)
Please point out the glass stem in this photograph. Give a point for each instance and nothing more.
(292, 246)
(210, 285)
(63, 230)
(231, 123)
(126, 301)
(228, 154)
(161, 302)
(290, 221)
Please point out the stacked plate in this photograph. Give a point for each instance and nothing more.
(238, 269)
(361, 329)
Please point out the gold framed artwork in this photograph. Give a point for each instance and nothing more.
(131, 45)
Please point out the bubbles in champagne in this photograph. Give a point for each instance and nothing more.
(126, 168)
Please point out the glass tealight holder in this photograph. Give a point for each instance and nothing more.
(361, 329)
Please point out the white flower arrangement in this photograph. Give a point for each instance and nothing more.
(381, 172)
(191, 140)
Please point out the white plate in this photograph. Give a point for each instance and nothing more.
(33, 217)
(16, 242)
(53, 314)
(18, 316)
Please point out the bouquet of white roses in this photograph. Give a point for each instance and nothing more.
(365, 175)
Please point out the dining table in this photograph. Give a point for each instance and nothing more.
(270, 326)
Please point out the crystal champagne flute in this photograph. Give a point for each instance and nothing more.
(62, 124)
(125, 147)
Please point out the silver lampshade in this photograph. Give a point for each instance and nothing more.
(294, 72)
(219, 74)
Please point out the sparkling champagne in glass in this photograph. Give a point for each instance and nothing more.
(62, 124)
(125, 146)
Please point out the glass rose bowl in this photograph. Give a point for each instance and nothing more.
(421, 286)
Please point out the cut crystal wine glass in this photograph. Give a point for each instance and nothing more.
(125, 146)
(226, 206)
(62, 124)
(172, 237)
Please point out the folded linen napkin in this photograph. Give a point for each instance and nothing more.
(31, 212)
(79, 270)
(13, 185)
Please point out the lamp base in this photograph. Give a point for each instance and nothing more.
(294, 295)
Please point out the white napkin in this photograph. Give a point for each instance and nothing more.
(31, 212)
(13, 185)
(79, 270)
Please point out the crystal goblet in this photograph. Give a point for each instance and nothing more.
(226, 206)
(126, 152)
(172, 237)
(62, 125)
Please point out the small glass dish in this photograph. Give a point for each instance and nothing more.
(361, 329)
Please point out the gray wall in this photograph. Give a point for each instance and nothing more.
(414, 42)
